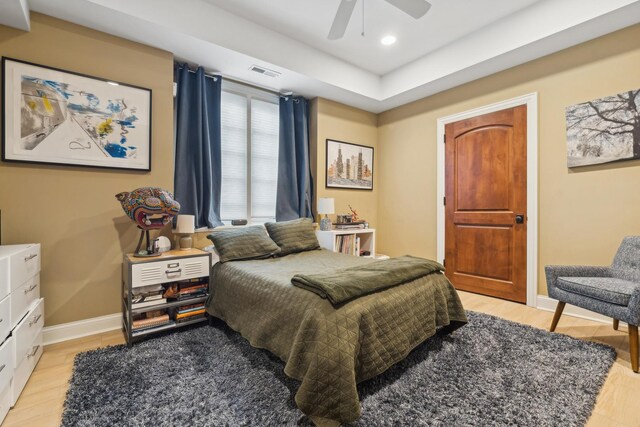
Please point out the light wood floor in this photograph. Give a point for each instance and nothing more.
(41, 402)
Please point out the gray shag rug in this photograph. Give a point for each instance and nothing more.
(489, 372)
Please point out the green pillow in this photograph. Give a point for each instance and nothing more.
(293, 236)
(234, 244)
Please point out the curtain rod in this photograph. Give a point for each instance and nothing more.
(215, 76)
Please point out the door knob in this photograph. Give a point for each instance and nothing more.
(519, 219)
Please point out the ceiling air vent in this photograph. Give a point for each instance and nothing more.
(264, 71)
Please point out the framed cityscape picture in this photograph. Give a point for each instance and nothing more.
(349, 165)
(60, 117)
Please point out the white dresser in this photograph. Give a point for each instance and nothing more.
(21, 320)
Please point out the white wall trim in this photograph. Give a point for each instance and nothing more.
(549, 304)
(81, 328)
(96, 325)
(531, 101)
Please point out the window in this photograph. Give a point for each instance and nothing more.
(250, 135)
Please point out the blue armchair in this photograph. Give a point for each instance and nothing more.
(612, 291)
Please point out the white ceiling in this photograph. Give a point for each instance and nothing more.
(15, 13)
(456, 42)
(309, 21)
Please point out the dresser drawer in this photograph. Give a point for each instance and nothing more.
(5, 319)
(27, 330)
(151, 273)
(25, 366)
(4, 277)
(6, 363)
(5, 402)
(23, 298)
(24, 264)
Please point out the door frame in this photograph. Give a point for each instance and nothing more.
(531, 101)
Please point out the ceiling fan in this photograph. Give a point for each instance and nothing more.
(415, 8)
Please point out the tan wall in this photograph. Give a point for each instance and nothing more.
(72, 211)
(342, 123)
(583, 213)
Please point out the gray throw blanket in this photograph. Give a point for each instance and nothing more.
(342, 285)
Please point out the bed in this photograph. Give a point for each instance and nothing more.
(329, 349)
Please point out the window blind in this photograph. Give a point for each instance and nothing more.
(265, 121)
(233, 204)
(250, 140)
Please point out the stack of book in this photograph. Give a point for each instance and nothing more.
(348, 244)
(187, 313)
(147, 296)
(187, 289)
(151, 319)
(357, 225)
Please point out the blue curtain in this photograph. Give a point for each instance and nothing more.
(198, 176)
(295, 188)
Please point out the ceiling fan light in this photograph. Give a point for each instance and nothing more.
(388, 40)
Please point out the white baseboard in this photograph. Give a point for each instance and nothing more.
(81, 328)
(549, 304)
(111, 322)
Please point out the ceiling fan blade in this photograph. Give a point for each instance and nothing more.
(415, 8)
(340, 22)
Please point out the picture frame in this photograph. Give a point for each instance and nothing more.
(603, 130)
(60, 117)
(348, 165)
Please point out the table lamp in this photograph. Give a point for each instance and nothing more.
(185, 226)
(326, 206)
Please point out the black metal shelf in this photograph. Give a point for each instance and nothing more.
(169, 304)
(171, 325)
(128, 311)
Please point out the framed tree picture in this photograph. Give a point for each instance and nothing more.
(604, 130)
(349, 165)
(60, 117)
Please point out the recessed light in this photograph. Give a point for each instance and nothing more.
(388, 40)
(113, 83)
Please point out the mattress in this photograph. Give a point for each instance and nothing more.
(329, 349)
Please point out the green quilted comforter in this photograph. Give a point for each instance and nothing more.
(330, 349)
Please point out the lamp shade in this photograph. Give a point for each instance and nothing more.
(186, 224)
(326, 205)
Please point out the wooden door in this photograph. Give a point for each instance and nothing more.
(486, 204)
